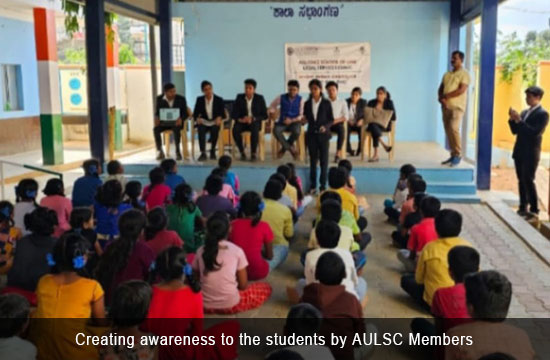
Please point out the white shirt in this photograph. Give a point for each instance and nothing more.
(529, 112)
(15, 348)
(170, 102)
(249, 105)
(351, 274)
(339, 109)
(352, 111)
(208, 104)
(315, 107)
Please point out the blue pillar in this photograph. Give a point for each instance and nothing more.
(489, 14)
(454, 27)
(97, 78)
(165, 20)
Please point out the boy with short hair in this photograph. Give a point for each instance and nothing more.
(488, 297)
(392, 207)
(432, 269)
(400, 237)
(116, 172)
(289, 190)
(172, 178)
(14, 319)
(415, 184)
(85, 187)
(337, 177)
(421, 233)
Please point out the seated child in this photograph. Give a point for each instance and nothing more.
(183, 216)
(14, 319)
(222, 269)
(65, 294)
(128, 310)
(296, 181)
(211, 201)
(107, 210)
(55, 200)
(132, 194)
(173, 179)
(156, 235)
(116, 172)
(178, 296)
(421, 233)
(157, 193)
(29, 261)
(227, 190)
(331, 210)
(328, 233)
(392, 207)
(337, 178)
(342, 312)
(488, 297)
(253, 235)
(25, 203)
(9, 235)
(279, 218)
(432, 269)
(82, 223)
(400, 236)
(351, 185)
(230, 177)
(415, 184)
(289, 189)
(85, 187)
(127, 258)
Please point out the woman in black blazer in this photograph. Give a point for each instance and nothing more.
(382, 102)
(319, 117)
(356, 110)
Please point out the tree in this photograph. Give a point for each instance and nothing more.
(126, 55)
(74, 57)
(525, 55)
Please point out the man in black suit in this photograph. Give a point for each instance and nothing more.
(249, 110)
(529, 127)
(170, 100)
(356, 111)
(208, 114)
(319, 116)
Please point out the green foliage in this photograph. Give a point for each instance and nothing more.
(516, 54)
(74, 56)
(73, 11)
(126, 55)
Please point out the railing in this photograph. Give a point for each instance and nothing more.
(30, 167)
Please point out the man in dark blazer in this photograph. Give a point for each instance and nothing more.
(319, 117)
(356, 111)
(528, 127)
(208, 114)
(170, 100)
(249, 110)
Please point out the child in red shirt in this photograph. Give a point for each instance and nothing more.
(157, 193)
(416, 186)
(421, 233)
(156, 235)
(253, 235)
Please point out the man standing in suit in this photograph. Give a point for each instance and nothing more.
(208, 114)
(249, 111)
(528, 127)
(356, 111)
(170, 100)
(319, 116)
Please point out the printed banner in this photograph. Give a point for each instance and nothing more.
(346, 63)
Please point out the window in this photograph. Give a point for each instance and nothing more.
(178, 45)
(12, 94)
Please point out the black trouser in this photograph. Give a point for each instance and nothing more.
(393, 214)
(339, 130)
(254, 128)
(358, 130)
(157, 130)
(294, 129)
(318, 145)
(203, 129)
(415, 290)
(376, 132)
(525, 172)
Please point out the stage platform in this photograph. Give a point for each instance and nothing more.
(449, 184)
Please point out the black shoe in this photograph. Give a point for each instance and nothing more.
(213, 155)
(243, 157)
(160, 155)
(253, 158)
(522, 213)
(448, 161)
(322, 189)
(202, 157)
(178, 156)
(350, 152)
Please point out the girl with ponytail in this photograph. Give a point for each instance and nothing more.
(252, 235)
(156, 235)
(222, 269)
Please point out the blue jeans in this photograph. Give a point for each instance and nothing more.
(280, 252)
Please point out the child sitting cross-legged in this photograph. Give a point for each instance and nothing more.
(227, 191)
(132, 194)
(156, 235)
(25, 203)
(66, 294)
(328, 234)
(253, 235)
(432, 269)
(14, 319)
(157, 193)
(222, 269)
(351, 186)
(231, 178)
(82, 223)
(172, 178)
(116, 172)
(127, 312)
(421, 233)
(211, 201)
(85, 187)
(392, 207)
(400, 236)
(55, 199)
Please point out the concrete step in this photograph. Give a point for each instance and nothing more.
(457, 198)
(449, 187)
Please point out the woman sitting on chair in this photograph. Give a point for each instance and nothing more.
(382, 102)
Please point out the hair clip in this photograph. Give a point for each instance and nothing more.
(188, 270)
(79, 262)
(50, 260)
(92, 169)
(6, 211)
(153, 266)
(78, 231)
(261, 207)
(30, 193)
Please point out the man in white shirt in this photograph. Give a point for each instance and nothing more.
(341, 115)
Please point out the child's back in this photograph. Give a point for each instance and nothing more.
(85, 189)
(14, 312)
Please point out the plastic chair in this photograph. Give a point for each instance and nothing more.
(368, 139)
(247, 141)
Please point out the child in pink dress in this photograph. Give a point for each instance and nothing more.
(55, 200)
